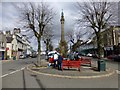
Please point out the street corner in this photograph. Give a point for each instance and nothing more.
(72, 73)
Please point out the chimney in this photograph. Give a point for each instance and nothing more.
(8, 33)
(16, 30)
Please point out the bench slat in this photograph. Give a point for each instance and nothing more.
(71, 64)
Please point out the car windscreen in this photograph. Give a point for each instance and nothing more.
(51, 54)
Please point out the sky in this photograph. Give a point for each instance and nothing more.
(10, 19)
(9, 16)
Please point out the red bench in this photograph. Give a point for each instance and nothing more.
(71, 64)
(51, 60)
(85, 61)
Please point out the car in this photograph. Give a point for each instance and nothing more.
(43, 53)
(52, 52)
(81, 54)
(95, 56)
(89, 55)
(117, 58)
(22, 56)
(49, 56)
(33, 55)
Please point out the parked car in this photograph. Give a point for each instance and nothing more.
(117, 58)
(81, 54)
(95, 56)
(22, 56)
(111, 56)
(43, 53)
(33, 56)
(89, 55)
(50, 54)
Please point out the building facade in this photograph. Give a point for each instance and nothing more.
(110, 41)
(17, 44)
(2, 46)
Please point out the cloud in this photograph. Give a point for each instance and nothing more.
(0, 16)
(10, 18)
(69, 15)
(9, 15)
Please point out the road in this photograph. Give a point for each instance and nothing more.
(10, 66)
(16, 76)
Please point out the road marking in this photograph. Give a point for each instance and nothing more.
(12, 72)
(118, 72)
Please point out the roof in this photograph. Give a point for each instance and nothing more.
(9, 39)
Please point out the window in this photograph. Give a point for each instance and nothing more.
(16, 48)
(2, 44)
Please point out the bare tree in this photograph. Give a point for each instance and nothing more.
(80, 34)
(96, 15)
(36, 16)
(47, 38)
(75, 35)
(70, 36)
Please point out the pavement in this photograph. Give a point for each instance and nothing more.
(16, 75)
(4, 61)
(85, 72)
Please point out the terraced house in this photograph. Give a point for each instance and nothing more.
(2, 46)
(110, 42)
(17, 44)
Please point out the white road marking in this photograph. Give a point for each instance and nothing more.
(12, 72)
(118, 71)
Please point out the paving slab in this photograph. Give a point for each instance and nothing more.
(85, 72)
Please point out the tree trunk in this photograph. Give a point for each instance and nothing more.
(39, 52)
(99, 45)
(47, 45)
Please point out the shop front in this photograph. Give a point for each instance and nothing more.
(2, 54)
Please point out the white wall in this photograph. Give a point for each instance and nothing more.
(9, 52)
(15, 45)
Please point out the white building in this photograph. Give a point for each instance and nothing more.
(2, 46)
(26, 45)
(17, 44)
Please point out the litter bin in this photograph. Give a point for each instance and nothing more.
(14, 58)
(101, 65)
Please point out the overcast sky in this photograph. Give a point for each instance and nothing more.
(10, 18)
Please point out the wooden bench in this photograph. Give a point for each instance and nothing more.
(71, 64)
(85, 61)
